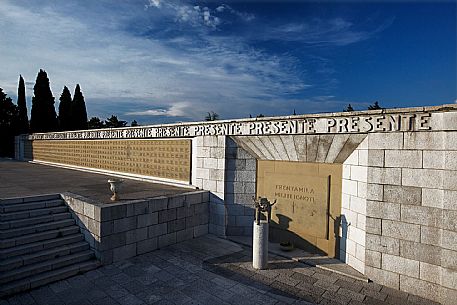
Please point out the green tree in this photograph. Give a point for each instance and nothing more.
(95, 123)
(65, 110)
(374, 106)
(23, 119)
(79, 110)
(43, 116)
(211, 116)
(348, 108)
(114, 122)
(9, 115)
(134, 123)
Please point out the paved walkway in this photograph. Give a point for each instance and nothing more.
(19, 179)
(210, 271)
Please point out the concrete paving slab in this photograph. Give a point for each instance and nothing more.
(312, 259)
(19, 179)
(210, 270)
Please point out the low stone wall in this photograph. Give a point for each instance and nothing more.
(117, 231)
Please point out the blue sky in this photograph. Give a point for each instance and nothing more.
(166, 61)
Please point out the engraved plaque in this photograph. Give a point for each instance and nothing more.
(170, 159)
(307, 212)
(304, 199)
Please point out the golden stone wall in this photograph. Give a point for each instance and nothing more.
(169, 159)
(308, 208)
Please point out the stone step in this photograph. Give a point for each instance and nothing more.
(22, 240)
(31, 205)
(20, 223)
(32, 213)
(19, 200)
(42, 227)
(47, 254)
(54, 264)
(47, 277)
(40, 245)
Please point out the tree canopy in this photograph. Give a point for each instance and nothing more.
(114, 122)
(23, 119)
(8, 125)
(374, 106)
(211, 116)
(111, 122)
(65, 110)
(43, 116)
(95, 123)
(348, 108)
(79, 110)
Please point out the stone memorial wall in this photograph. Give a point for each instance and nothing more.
(167, 159)
(397, 216)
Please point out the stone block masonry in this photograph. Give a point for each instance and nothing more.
(409, 215)
(354, 207)
(240, 187)
(398, 199)
(117, 231)
(209, 166)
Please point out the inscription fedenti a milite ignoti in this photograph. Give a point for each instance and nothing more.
(170, 159)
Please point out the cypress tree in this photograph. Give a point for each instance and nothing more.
(79, 110)
(23, 119)
(43, 117)
(65, 111)
(8, 125)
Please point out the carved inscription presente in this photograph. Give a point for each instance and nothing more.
(318, 125)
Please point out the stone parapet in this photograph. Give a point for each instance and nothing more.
(117, 231)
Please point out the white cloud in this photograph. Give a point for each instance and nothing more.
(183, 76)
(318, 32)
(176, 110)
(153, 3)
(114, 67)
(242, 15)
(197, 16)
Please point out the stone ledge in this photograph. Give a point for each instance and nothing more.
(116, 231)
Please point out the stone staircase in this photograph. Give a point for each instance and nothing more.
(39, 243)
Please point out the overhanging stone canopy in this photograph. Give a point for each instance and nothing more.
(332, 148)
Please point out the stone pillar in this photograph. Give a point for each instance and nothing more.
(209, 174)
(19, 147)
(260, 245)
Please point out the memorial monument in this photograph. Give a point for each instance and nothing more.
(260, 236)
(390, 174)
